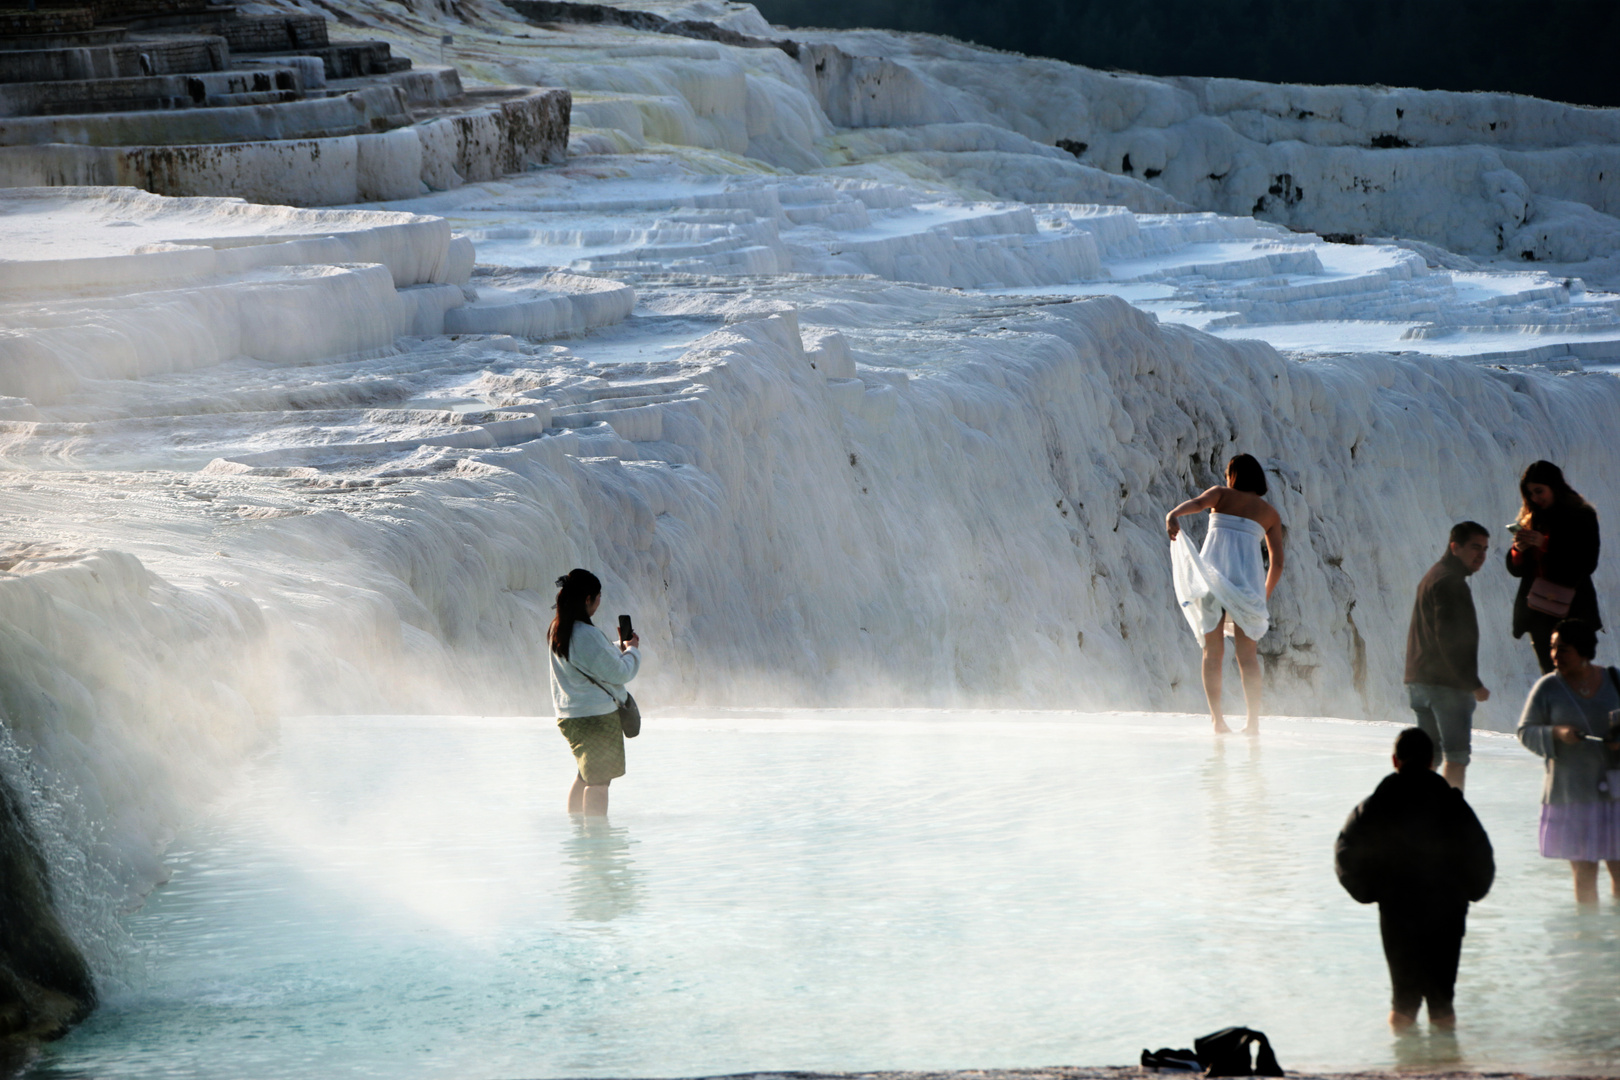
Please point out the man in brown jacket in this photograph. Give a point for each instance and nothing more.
(1442, 650)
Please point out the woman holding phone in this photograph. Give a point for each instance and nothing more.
(1567, 718)
(588, 674)
(1554, 554)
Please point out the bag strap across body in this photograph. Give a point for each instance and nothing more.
(1614, 678)
(599, 686)
(629, 712)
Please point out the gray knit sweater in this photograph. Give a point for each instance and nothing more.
(1573, 772)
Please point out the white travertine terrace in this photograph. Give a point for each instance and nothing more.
(120, 284)
(185, 97)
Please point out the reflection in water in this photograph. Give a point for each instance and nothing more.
(1216, 777)
(1235, 794)
(1583, 954)
(603, 883)
(1418, 1050)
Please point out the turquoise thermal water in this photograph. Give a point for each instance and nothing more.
(404, 897)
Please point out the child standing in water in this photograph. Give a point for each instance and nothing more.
(1227, 579)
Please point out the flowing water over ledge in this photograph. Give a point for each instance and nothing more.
(404, 897)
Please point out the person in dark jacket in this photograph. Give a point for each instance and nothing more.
(1442, 649)
(1556, 540)
(1415, 848)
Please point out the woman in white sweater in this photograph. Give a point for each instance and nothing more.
(588, 674)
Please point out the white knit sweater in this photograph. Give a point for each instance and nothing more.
(590, 651)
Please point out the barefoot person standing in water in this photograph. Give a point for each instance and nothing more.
(588, 674)
(1227, 580)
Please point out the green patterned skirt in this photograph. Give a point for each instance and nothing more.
(598, 745)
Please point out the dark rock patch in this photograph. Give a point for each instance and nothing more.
(45, 984)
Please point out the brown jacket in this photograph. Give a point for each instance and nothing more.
(1442, 643)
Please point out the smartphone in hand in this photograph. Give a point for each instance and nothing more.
(626, 631)
(1514, 526)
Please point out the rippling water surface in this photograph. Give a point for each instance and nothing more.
(404, 897)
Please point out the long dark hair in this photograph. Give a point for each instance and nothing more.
(1548, 475)
(1246, 474)
(574, 591)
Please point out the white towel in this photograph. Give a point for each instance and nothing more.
(1227, 574)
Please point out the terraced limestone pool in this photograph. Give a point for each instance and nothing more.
(404, 897)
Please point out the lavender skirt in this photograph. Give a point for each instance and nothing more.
(1581, 832)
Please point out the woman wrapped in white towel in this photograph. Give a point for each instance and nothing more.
(1227, 578)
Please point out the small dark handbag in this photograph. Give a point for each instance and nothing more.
(629, 711)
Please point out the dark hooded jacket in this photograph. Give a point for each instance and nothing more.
(1415, 843)
(1571, 559)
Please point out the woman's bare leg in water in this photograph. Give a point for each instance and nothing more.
(588, 799)
(1214, 658)
(1585, 882)
(1248, 658)
(596, 800)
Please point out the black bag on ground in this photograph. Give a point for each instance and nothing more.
(1174, 1060)
(1237, 1051)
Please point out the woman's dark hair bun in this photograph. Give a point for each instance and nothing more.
(580, 582)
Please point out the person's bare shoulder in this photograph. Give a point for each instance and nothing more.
(1246, 504)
